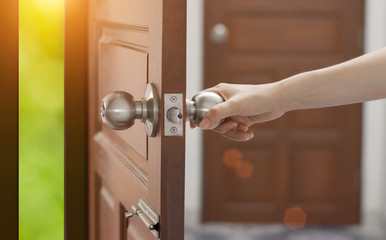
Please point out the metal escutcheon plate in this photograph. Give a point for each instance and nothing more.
(150, 110)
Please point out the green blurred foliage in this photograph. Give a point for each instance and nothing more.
(41, 77)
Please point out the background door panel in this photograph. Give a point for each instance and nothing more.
(290, 33)
(307, 158)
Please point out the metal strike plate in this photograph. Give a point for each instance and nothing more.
(147, 215)
(173, 114)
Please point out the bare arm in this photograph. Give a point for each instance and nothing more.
(358, 80)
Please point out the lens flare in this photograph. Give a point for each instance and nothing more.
(232, 158)
(49, 5)
(245, 170)
(295, 218)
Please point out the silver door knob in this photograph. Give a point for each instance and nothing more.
(219, 34)
(198, 107)
(119, 110)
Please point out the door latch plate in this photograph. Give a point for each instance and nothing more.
(173, 105)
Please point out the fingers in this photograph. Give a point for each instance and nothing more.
(218, 89)
(233, 130)
(241, 132)
(241, 127)
(237, 135)
(226, 126)
(218, 112)
(265, 117)
(192, 126)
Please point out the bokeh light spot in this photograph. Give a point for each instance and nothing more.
(295, 218)
(232, 158)
(49, 5)
(245, 170)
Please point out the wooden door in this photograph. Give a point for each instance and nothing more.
(133, 43)
(309, 159)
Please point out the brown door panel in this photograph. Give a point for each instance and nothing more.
(132, 43)
(308, 158)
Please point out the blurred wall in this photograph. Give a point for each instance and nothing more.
(374, 125)
(193, 177)
(374, 118)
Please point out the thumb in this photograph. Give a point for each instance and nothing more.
(217, 113)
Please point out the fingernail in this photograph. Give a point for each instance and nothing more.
(205, 124)
(232, 127)
(245, 138)
(250, 136)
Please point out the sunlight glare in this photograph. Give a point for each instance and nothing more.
(49, 5)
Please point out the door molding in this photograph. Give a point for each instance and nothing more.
(75, 120)
(373, 194)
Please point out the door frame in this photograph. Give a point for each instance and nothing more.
(9, 122)
(75, 120)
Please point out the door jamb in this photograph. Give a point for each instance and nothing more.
(9, 121)
(75, 120)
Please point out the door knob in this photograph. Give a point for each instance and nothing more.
(219, 34)
(198, 107)
(195, 110)
(119, 110)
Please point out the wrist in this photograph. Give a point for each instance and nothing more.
(289, 97)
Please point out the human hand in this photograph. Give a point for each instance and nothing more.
(243, 106)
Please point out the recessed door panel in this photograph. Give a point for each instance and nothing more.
(285, 34)
(316, 174)
(124, 67)
(125, 11)
(252, 176)
(107, 210)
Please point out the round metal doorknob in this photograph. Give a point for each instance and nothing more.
(219, 34)
(119, 110)
(200, 104)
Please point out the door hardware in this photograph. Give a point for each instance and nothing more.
(147, 215)
(219, 34)
(196, 109)
(119, 110)
(200, 105)
(173, 108)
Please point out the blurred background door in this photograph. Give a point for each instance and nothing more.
(309, 159)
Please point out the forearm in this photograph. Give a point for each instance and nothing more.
(358, 80)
